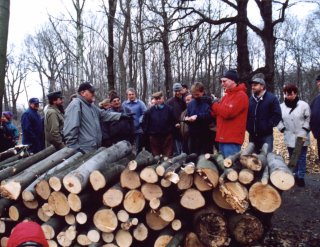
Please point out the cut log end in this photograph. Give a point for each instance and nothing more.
(10, 190)
(105, 220)
(192, 199)
(132, 165)
(72, 184)
(97, 180)
(282, 180)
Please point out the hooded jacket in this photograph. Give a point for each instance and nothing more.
(231, 114)
(82, 128)
(27, 232)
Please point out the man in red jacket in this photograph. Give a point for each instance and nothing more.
(231, 114)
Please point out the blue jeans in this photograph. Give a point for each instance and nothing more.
(300, 169)
(260, 140)
(229, 148)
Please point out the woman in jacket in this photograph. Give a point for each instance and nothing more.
(295, 123)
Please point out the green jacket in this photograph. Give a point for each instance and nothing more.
(53, 127)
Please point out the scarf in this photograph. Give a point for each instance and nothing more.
(291, 104)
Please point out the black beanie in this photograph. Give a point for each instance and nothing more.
(232, 75)
(318, 78)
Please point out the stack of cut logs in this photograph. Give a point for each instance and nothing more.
(111, 197)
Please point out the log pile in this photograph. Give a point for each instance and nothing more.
(112, 198)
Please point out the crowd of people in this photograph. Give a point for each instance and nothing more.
(191, 121)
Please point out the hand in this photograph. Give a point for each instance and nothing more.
(126, 115)
(177, 126)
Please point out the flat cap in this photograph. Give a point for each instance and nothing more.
(157, 95)
(54, 95)
(86, 86)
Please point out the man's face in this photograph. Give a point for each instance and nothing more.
(227, 83)
(183, 91)
(197, 94)
(58, 102)
(89, 95)
(257, 88)
(131, 96)
(178, 93)
(290, 96)
(34, 106)
(116, 103)
(188, 98)
(318, 84)
(159, 100)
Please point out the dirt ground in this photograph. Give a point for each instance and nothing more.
(297, 221)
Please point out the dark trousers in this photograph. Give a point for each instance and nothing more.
(161, 144)
(318, 144)
(200, 143)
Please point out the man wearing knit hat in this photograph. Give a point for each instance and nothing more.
(315, 117)
(178, 105)
(264, 114)
(231, 114)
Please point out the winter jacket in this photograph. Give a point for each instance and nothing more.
(295, 124)
(264, 114)
(231, 114)
(115, 131)
(53, 127)
(27, 232)
(32, 130)
(178, 105)
(158, 120)
(315, 117)
(9, 135)
(201, 108)
(138, 108)
(82, 128)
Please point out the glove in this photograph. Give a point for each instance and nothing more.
(127, 115)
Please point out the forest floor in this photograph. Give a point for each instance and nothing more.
(297, 221)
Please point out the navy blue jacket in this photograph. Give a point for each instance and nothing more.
(263, 115)
(158, 121)
(32, 130)
(315, 117)
(201, 108)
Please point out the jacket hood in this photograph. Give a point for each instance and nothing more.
(27, 231)
(240, 87)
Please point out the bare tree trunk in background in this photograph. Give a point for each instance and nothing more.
(4, 26)
(143, 53)
(79, 27)
(110, 57)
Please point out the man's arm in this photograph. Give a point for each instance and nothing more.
(52, 125)
(72, 124)
(276, 115)
(231, 109)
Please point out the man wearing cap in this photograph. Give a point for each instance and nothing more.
(315, 117)
(158, 124)
(9, 132)
(82, 130)
(32, 127)
(231, 114)
(178, 105)
(137, 107)
(264, 114)
(54, 120)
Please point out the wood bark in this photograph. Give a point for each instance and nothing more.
(280, 175)
(143, 159)
(25, 163)
(78, 179)
(211, 226)
(12, 187)
(296, 151)
(177, 239)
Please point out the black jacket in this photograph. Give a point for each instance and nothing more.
(315, 117)
(263, 115)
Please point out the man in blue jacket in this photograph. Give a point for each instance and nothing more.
(264, 114)
(315, 117)
(32, 127)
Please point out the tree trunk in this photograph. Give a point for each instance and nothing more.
(280, 174)
(78, 179)
(177, 239)
(12, 187)
(265, 198)
(211, 227)
(143, 159)
(296, 151)
(25, 163)
(4, 20)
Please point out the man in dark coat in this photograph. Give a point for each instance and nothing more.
(315, 117)
(178, 105)
(264, 114)
(158, 124)
(32, 127)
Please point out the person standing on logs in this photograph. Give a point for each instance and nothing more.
(315, 118)
(178, 105)
(137, 107)
(231, 114)
(54, 120)
(32, 127)
(82, 130)
(295, 123)
(158, 125)
(198, 118)
(264, 114)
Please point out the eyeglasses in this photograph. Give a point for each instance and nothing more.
(30, 244)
